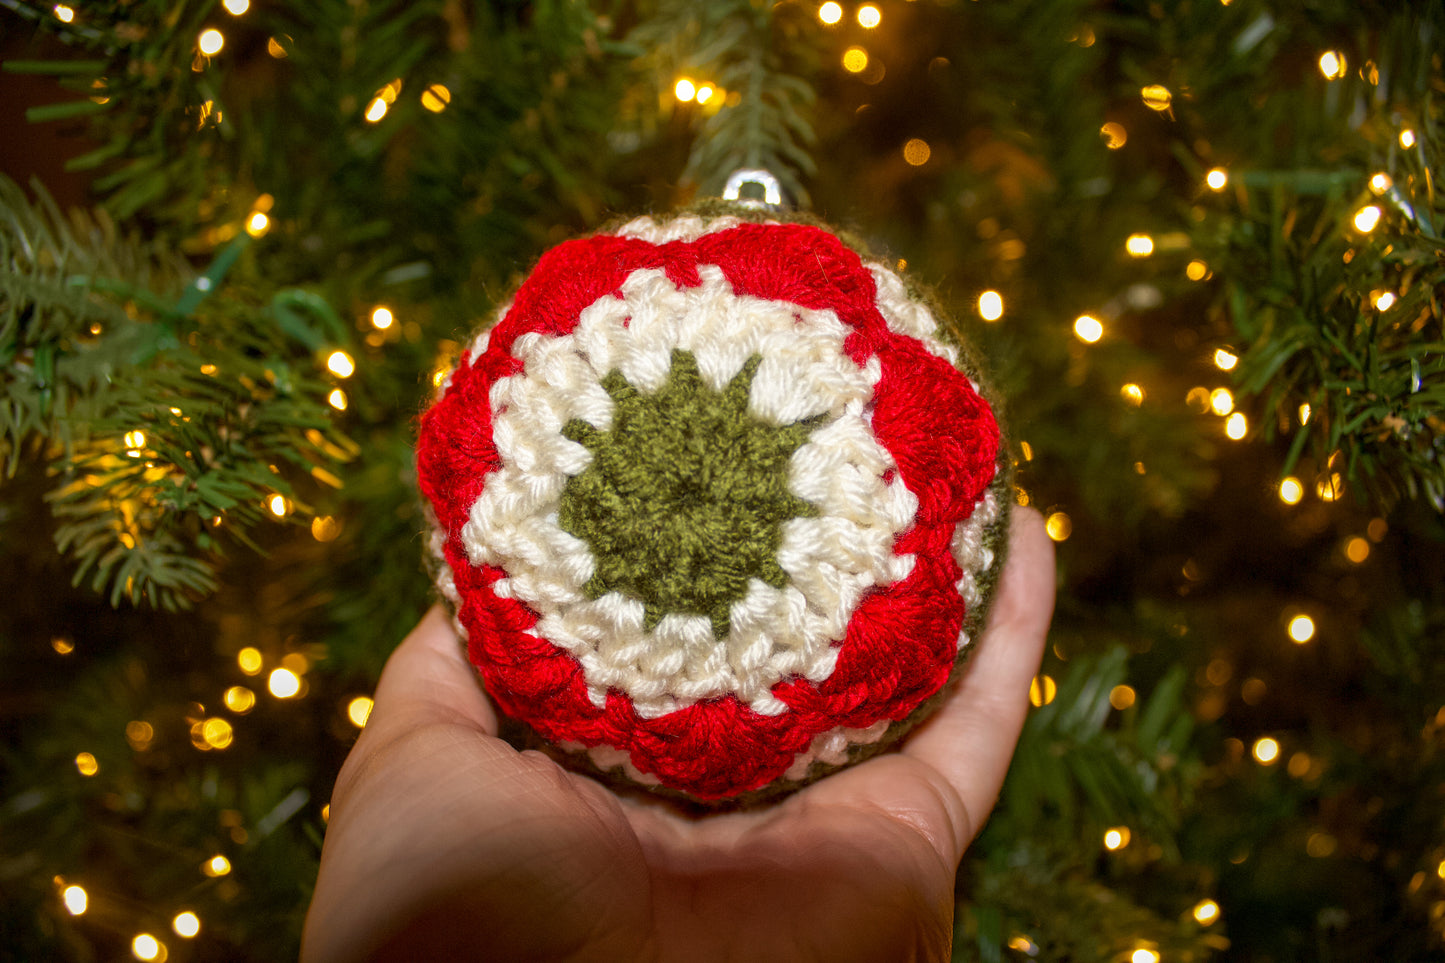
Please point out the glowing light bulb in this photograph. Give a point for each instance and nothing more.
(1332, 64)
(375, 110)
(217, 865)
(1157, 97)
(1217, 179)
(1114, 134)
(1291, 491)
(435, 98)
(86, 764)
(1121, 697)
(1206, 911)
(358, 710)
(239, 699)
(211, 41)
(1330, 487)
(704, 93)
(236, 7)
(63, 13)
(325, 528)
(1088, 329)
(1380, 183)
(830, 13)
(1236, 426)
(217, 733)
(135, 440)
(1225, 360)
(1042, 690)
(1265, 750)
(1357, 550)
(869, 16)
(1301, 629)
(340, 364)
(1059, 526)
(257, 224)
(1139, 245)
(278, 505)
(1144, 955)
(146, 947)
(1221, 402)
(1367, 218)
(186, 924)
(990, 305)
(1133, 394)
(283, 683)
(1384, 300)
(1196, 270)
(337, 399)
(1407, 138)
(855, 60)
(1304, 413)
(1117, 838)
(75, 899)
(916, 152)
(382, 318)
(684, 90)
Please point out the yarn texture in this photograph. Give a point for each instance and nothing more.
(716, 506)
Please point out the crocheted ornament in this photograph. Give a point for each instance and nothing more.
(716, 507)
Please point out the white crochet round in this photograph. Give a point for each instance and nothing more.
(831, 559)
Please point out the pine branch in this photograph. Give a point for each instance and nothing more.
(759, 57)
(165, 430)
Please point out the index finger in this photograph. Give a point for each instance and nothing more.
(971, 740)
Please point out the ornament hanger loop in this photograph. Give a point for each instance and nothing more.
(772, 190)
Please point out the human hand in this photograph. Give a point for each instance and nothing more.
(447, 843)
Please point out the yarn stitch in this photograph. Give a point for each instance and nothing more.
(898, 454)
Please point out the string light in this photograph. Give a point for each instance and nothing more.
(1383, 300)
(1115, 136)
(249, 660)
(1144, 955)
(278, 505)
(86, 764)
(1357, 549)
(1121, 697)
(324, 528)
(75, 899)
(436, 98)
(1330, 487)
(337, 399)
(258, 224)
(1059, 526)
(275, 49)
(1236, 426)
(382, 318)
(990, 305)
(684, 90)
(283, 683)
(1133, 394)
(375, 110)
(239, 699)
(1367, 218)
(1221, 402)
(1301, 629)
(62, 645)
(63, 13)
(916, 151)
(1088, 329)
(1225, 360)
(1332, 64)
(211, 41)
(186, 924)
(830, 13)
(1117, 838)
(869, 16)
(1196, 270)
(704, 93)
(1042, 690)
(1304, 413)
(1407, 138)
(1291, 491)
(1139, 245)
(236, 7)
(1157, 97)
(1380, 183)
(358, 710)
(217, 733)
(1265, 750)
(1217, 179)
(340, 364)
(147, 947)
(217, 865)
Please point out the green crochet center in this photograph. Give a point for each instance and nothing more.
(685, 497)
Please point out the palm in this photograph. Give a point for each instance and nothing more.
(447, 841)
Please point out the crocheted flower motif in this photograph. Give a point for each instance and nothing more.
(710, 502)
